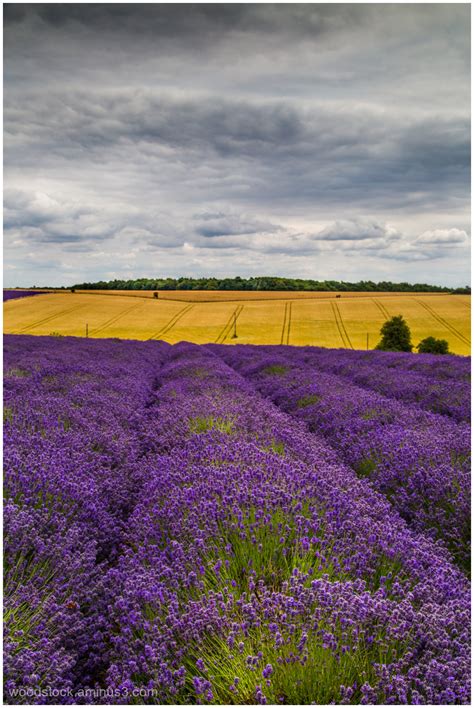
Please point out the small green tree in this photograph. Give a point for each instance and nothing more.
(395, 335)
(431, 345)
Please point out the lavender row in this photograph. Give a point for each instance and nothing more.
(440, 384)
(419, 460)
(15, 294)
(430, 365)
(261, 569)
(71, 413)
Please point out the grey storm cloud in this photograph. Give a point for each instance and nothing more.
(265, 133)
(211, 224)
(293, 155)
(358, 231)
(201, 22)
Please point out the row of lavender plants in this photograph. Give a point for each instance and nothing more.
(15, 294)
(419, 460)
(170, 531)
(441, 384)
(71, 414)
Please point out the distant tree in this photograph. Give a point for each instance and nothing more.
(431, 345)
(395, 335)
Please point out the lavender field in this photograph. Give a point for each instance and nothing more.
(16, 294)
(234, 525)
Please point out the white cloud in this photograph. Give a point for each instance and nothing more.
(358, 230)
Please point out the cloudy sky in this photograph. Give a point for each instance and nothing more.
(323, 141)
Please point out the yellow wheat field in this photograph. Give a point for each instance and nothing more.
(352, 320)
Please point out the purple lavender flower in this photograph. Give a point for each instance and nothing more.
(132, 470)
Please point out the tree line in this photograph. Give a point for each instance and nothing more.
(266, 283)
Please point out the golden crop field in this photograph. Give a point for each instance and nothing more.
(233, 295)
(319, 319)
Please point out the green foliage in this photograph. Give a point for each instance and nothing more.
(275, 446)
(431, 345)
(65, 423)
(202, 424)
(275, 369)
(365, 467)
(7, 414)
(396, 336)
(308, 400)
(17, 373)
(278, 447)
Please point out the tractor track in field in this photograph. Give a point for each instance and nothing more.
(443, 322)
(173, 321)
(285, 331)
(341, 326)
(382, 308)
(114, 319)
(45, 320)
(222, 336)
(284, 296)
